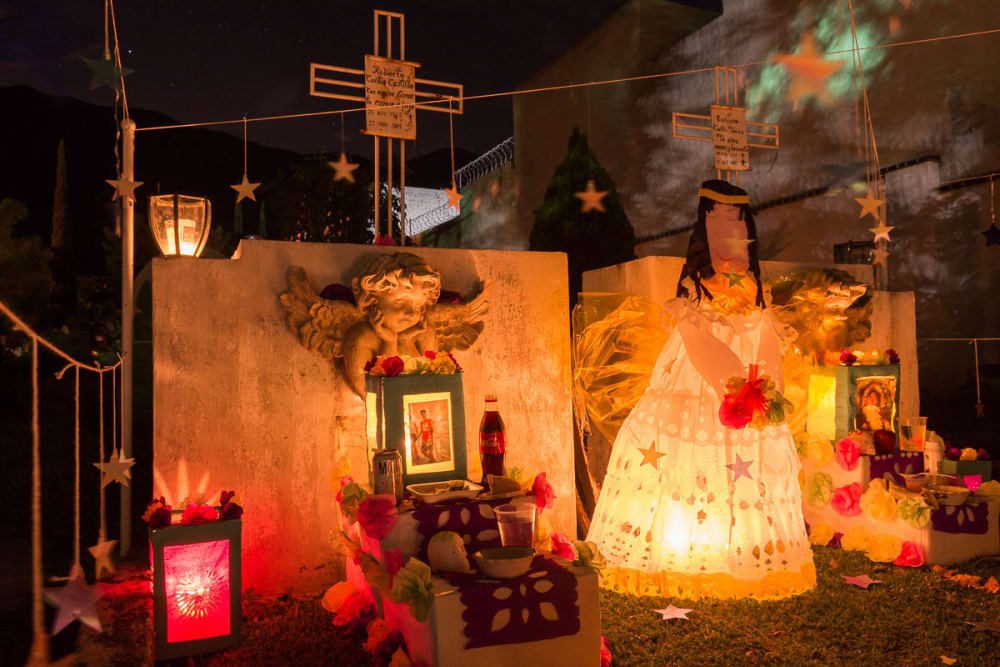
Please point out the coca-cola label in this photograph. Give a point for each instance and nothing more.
(493, 443)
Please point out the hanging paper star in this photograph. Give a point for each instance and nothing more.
(454, 197)
(74, 601)
(102, 556)
(117, 469)
(870, 206)
(245, 189)
(590, 198)
(672, 612)
(105, 72)
(740, 469)
(807, 71)
(123, 187)
(343, 170)
(985, 626)
(864, 581)
(881, 231)
(992, 235)
(650, 455)
(879, 256)
(734, 278)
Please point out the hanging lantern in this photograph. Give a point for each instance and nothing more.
(180, 224)
(196, 587)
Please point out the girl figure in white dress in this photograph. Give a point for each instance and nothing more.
(690, 507)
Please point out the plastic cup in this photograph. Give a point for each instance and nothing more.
(517, 524)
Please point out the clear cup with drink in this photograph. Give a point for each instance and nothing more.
(517, 524)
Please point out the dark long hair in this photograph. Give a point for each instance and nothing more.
(698, 264)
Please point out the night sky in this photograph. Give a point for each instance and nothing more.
(199, 60)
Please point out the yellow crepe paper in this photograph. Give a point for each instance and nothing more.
(855, 539)
(821, 534)
(877, 502)
(884, 548)
(818, 489)
(335, 596)
(819, 451)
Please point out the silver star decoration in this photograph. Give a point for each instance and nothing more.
(245, 189)
(117, 469)
(673, 612)
(864, 581)
(124, 187)
(74, 601)
(740, 469)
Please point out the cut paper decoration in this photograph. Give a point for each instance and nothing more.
(848, 452)
(342, 169)
(102, 556)
(846, 500)
(106, 72)
(972, 482)
(821, 534)
(117, 469)
(881, 231)
(735, 279)
(818, 489)
(914, 511)
(855, 539)
(992, 235)
(740, 469)
(864, 581)
(245, 189)
(454, 197)
(818, 451)
(985, 626)
(884, 548)
(672, 612)
(591, 198)
(124, 187)
(877, 502)
(870, 206)
(910, 555)
(75, 601)
(808, 72)
(650, 455)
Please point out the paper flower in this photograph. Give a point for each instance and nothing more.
(344, 481)
(335, 596)
(412, 586)
(744, 399)
(198, 514)
(914, 511)
(877, 502)
(378, 630)
(982, 454)
(562, 548)
(847, 358)
(394, 560)
(846, 500)
(819, 451)
(848, 452)
(545, 496)
(855, 539)
(892, 356)
(443, 365)
(910, 555)
(968, 454)
(351, 608)
(821, 534)
(416, 365)
(884, 548)
(351, 495)
(605, 653)
(392, 366)
(953, 453)
(231, 508)
(157, 514)
(818, 489)
(377, 515)
(588, 555)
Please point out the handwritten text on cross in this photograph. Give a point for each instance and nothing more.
(729, 137)
(390, 91)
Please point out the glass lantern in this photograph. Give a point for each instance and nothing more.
(180, 224)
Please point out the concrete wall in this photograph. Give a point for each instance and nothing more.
(240, 404)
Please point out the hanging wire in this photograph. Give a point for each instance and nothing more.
(102, 527)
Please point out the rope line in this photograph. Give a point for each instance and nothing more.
(20, 324)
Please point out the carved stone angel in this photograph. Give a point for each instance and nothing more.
(397, 313)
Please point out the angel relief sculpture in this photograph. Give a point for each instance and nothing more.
(397, 312)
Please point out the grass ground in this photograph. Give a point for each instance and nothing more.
(914, 617)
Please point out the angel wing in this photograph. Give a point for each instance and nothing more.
(827, 307)
(458, 325)
(319, 323)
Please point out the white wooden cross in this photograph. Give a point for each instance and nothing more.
(391, 83)
(726, 128)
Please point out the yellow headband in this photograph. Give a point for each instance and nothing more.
(723, 199)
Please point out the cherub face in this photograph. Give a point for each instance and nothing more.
(402, 306)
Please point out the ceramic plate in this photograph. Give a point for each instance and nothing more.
(437, 492)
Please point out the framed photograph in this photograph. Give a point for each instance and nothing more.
(866, 398)
(429, 440)
(875, 403)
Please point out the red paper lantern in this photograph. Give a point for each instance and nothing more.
(196, 587)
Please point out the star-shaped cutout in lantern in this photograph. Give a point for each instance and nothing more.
(343, 170)
(245, 189)
(650, 455)
(881, 231)
(102, 556)
(74, 601)
(870, 205)
(672, 612)
(808, 71)
(454, 197)
(116, 469)
(124, 187)
(992, 235)
(879, 256)
(740, 469)
(105, 72)
(590, 198)
(864, 581)
(985, 626)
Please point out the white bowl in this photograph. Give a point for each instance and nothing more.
(505, 562)
(437, 492)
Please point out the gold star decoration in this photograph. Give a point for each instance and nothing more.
(650, 455)
(734, 278)
(590, 198)
(102, 556)
(880, 256)
(245, 189)
(343, 170)
(881, 231)
(870, 205)
(454, 197)
(116, 469)
(808, 71)
(124, 187)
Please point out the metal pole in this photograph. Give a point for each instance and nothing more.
(128, 267)
(402, 191)
(378, 200)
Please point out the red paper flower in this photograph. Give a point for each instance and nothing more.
(910, 556)
(377, 515)
(198, 514)
(344, 481)
(848, 451)
(982, 455)
(392, 366)
(846, 500)
(605, 653)
(562, 548)
(953, 454)
(230, 508)
(738, 407)
(225, 497)
(847, 358)
(458, 369)
(384, 240)
(394, 561)
(544, 495)
(430, 354)
(892, 355)
(157, 514)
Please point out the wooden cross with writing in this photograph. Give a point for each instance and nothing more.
(392, 94)
(727, 128)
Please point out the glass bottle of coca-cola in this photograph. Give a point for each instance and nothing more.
(492, 440)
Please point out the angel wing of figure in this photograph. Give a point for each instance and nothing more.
(397, 312)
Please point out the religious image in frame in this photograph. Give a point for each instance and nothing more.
(429, 435)
(876, 403)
